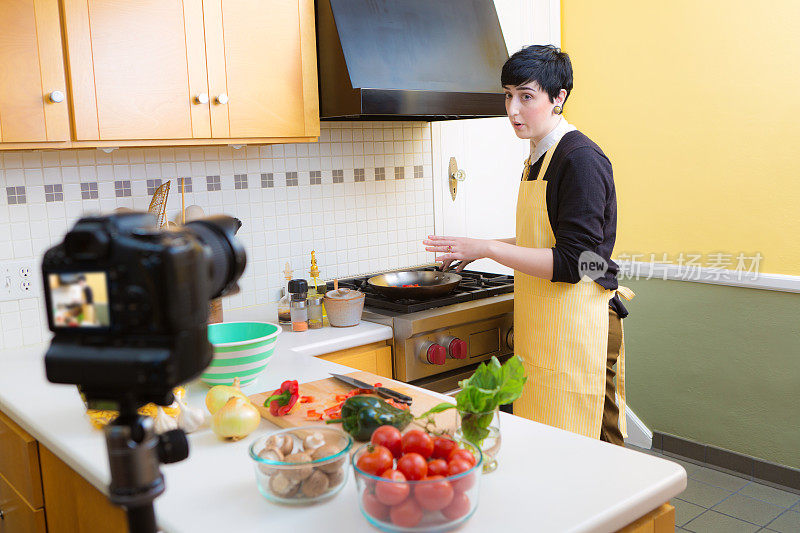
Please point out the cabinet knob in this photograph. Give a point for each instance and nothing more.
(56, 97)
(201, 98)
(222, 99)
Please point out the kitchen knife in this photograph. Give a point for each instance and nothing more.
(381, 391)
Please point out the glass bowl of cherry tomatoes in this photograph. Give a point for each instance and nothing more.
(416, 482)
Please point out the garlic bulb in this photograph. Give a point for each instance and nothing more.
(190, 418)
(164, 422)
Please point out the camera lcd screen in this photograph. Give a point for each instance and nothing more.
(79, 300)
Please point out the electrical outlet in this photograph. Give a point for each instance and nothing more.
(18, 280)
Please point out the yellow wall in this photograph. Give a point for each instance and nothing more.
(697, 104)
(97, 282)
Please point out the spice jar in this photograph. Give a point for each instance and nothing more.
(315, 312)
(299, 314)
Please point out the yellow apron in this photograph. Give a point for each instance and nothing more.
(560, 331)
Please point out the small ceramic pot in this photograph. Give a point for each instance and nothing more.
(344, 307)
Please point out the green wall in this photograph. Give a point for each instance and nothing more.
(719, 365)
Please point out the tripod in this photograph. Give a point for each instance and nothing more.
(135, 452)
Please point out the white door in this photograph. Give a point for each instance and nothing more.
(486, 149)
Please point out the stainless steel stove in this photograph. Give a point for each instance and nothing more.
(441, 341)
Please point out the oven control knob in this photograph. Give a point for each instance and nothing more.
(510, 338)
(433, 354)
(456, 348)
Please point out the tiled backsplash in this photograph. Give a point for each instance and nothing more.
(362, 197)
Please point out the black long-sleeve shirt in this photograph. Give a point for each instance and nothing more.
(582, 208)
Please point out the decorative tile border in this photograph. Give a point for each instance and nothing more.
(16, 195)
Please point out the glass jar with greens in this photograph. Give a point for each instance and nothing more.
(478, 402)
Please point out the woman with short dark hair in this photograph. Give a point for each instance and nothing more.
(567, 315)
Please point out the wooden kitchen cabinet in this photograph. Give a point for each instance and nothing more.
(32, 67)
(262, 56)
(158, 72)
(39, 493)
(375, 358)
(72, 504)
(135, 68)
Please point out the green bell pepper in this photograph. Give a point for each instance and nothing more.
(362, 415)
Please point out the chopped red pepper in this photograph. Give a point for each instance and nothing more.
(334, 409)
(378, 385)
(312, 414)
(283, 399)
(396, 404)
(306, 399)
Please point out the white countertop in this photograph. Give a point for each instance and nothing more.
(547, 479)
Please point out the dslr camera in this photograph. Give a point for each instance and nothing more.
(128, 304)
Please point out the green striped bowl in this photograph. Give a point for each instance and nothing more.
(241, 350)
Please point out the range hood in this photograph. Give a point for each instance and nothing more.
(409, 59)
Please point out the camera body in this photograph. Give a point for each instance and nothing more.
(128, 304)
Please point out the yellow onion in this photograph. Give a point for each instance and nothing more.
(220, 394)
(236, 419)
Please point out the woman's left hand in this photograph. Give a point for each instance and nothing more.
(456, 248)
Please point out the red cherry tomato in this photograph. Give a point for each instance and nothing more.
(442, 446)
(458, 507)
(461, 453)
(407, 514)
(417, 441)
(390, 492)
(437, 467)
(458, 466)
(433, 493)
(413, 466)
(375, 508)
(389, 437)
(376, 460)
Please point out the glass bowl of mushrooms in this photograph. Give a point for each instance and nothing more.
(300, 466)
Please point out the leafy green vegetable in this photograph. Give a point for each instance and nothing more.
(490, 386)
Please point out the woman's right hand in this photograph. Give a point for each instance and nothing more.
(459, 267)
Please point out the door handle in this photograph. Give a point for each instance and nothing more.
(455, 175)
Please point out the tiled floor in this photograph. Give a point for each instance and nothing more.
(717, 502)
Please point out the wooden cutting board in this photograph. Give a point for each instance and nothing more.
(324, 392)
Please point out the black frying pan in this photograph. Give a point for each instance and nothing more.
(430, 284)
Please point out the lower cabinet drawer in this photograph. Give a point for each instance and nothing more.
(16, 516)
(19, 461)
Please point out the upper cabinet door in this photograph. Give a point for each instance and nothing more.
(137, 69)
(33, 104)
(262, 68)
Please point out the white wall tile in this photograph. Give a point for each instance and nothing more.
(355, 227)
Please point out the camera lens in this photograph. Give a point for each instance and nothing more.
(228, 258)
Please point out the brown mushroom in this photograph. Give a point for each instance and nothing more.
(282, 486)
(283, 442)
(327, 450)
(316, 484)
(336, 477)
(313, 441)
(271, 454)
(298, 473)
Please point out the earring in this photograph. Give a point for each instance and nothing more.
(557, 110)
